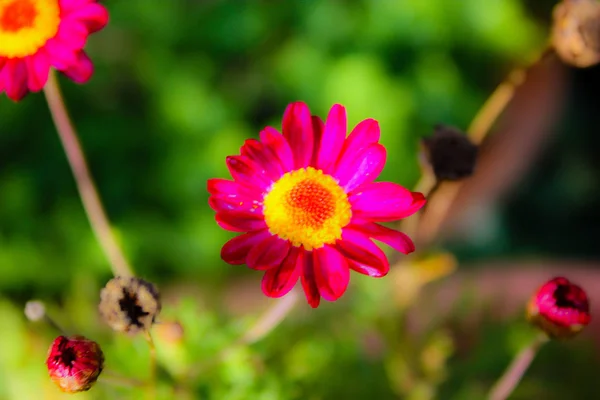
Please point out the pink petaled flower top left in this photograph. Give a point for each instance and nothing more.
(38, 34)
(560, 308)
(74, 363)
(308, 205)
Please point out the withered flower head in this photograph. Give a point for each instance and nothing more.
(129, 304)
(576, 32)
(451, 153)
(74, 363)
(559, 308)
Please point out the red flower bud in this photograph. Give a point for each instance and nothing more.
(74, 363)
(559, 308)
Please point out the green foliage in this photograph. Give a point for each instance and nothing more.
(179, 85)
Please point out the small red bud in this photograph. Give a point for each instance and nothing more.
(74, 363)
(559, 308)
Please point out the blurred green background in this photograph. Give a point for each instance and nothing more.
(179, 85)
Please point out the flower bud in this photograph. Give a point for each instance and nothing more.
(74, 363)
(576, 32)
(450, 153)
(559, 308)
(129, 304)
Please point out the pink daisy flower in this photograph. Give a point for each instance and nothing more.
(38, 34)
(308, 204)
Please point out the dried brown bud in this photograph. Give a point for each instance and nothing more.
(576, 32)
(74, 363)
(129, 304)
(451, 153)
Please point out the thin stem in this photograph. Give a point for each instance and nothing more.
(479, 128)
(270, 318)
(85, 184)
(261, 328)
(35, 310)
(152, 378)
(517, 368)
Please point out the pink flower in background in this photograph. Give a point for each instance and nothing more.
(308, 204)
(560, 308)
(38, 34)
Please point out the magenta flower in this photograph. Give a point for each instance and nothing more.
(560, 308)
(38, 34)
(309, 205)
(74, 363)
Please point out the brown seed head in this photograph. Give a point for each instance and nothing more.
(576, 32)
(129, 304)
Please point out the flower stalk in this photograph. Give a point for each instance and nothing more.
(517, 368)
(85, 184)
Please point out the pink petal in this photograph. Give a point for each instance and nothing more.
(269, 253)
(364, 168)
(233, 190)
(236, 250)
(3, 61)
(308, 280)
(246, 171)
(240, 221)
(333, 138)
(393, 238)
(264, 157)
(38, 67)
(61, 56)
(368, 258)
(272, 138)
(297, 129)
(362, 136)
(318, 128)
(81, 71)
(331, 272)
(385, 201)
(94, 16)
(228, 204)
(67, 6)
(15, 79)
(278, 282)
(72, 35)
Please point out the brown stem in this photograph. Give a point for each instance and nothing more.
(480, 127)
(515, 371)
(85, 184)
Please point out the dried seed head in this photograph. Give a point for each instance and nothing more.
(74, 363)
(129, 304)
(559, 308)
(450, 153)
(576, 32)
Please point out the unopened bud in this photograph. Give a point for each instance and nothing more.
(576, 32)
(74, 363)
(559, 308)
(450, 153)
(129, 304)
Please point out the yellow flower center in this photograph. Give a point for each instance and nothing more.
(307, 208)
(26, 25)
